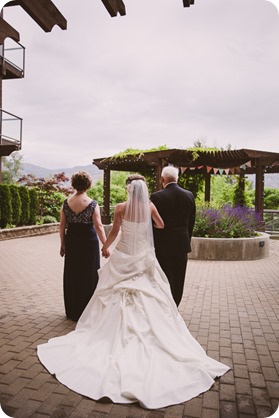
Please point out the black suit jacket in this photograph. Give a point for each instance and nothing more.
(178, 210)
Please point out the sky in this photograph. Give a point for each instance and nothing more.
(161, 75)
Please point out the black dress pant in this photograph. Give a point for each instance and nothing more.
(174, 267)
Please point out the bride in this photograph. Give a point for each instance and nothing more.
(130, 343)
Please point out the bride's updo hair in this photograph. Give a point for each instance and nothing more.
(81, 181)
(132, 177)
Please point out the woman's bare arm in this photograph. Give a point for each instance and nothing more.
(158, 221)
(98, 224)
(118, 212)
(62, 229)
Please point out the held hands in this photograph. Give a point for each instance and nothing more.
(105, 252)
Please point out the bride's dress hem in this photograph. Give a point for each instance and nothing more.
(130, 343)
(128, 400)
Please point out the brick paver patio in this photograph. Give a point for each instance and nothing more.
(232, 308)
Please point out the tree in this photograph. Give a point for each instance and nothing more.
(51, 192)
(222, 190)
(33, 206)
(5, 206)
(25, 205)
(13, 164)
(271, 198)
(117, 189)
(16, 204)
(192, 182)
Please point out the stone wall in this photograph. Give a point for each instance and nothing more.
(28, 231)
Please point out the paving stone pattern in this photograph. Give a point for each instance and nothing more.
(230, 307)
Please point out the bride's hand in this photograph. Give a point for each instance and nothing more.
(105, 253)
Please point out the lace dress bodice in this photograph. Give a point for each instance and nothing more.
(83, 217)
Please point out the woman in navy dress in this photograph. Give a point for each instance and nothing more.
(80, 228)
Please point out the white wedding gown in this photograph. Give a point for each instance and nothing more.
(131, 344)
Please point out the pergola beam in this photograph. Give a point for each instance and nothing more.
(187, 3)
(114, 7)
(43, 12)
(245, 160)
(117, 6)
(7, 31)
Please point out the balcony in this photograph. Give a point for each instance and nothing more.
(10, 133)
(12, 59)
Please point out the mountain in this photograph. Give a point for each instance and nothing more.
(271, 180)
(38, 171)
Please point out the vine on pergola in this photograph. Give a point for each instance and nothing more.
(195, 183)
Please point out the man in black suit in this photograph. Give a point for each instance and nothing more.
(173, 243)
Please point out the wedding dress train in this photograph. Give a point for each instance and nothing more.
(131, 344)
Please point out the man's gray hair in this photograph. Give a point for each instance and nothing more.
(170, 173)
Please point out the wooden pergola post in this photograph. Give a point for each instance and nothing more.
(207, 177)
(158, 171)
(106, 218)
(259, 192)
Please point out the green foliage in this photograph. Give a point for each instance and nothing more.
(33, 206)
(117, 189)
(117, 194)
(271, 198)
(16, 204)
(51, 193)
(226, 222)
(194, 183)
(25, 205)
(118, 178)
(97, 192)
(5, 206)
(222, 190)
(239, 197)
(135, 152)
(49, 219)
(50, 204)
(13, 164)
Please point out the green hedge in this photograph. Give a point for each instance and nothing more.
(5, 206)
(18, 205)
(25, 208)
(33, 206)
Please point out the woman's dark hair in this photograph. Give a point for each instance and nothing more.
(81, 181)
(132, 177)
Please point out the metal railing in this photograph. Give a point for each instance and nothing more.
(10, 129)
(13, 53)
(271, 219)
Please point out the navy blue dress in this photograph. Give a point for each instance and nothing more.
(82, 260)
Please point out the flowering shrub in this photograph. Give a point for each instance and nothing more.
(226, 222)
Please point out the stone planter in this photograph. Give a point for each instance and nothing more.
(229, 249)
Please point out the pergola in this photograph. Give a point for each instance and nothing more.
(118, 6)
(241, 162)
